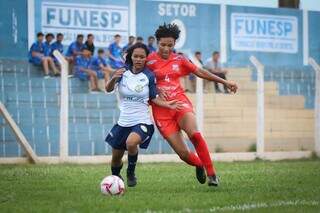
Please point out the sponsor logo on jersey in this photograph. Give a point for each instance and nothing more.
(175, 67)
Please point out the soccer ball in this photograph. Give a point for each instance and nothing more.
(112, 185)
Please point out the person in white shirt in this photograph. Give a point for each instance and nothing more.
(136, 86)
(214, 66)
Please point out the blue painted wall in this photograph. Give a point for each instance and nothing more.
(314, 35)
(13, 28)
(201, 23)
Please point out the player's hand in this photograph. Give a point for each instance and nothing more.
(232, 86)
(175, 104)
(118, 73)
(163, 94)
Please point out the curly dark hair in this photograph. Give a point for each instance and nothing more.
(167, 30)
(129, 62)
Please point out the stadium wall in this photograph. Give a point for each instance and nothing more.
(273, 35)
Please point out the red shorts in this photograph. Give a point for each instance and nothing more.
(167, 120)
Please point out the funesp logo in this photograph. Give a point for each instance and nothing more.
(86, 16)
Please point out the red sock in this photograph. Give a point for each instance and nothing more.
(194, 160)
(203, 152)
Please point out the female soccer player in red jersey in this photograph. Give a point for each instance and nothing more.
(168, 67)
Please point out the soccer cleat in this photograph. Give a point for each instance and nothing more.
(131, 179)
(213, 180)
(201, 175)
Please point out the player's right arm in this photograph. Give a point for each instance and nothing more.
(114, 79)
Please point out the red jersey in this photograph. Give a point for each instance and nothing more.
(168, 72)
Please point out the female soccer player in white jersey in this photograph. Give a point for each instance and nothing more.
(136, 85)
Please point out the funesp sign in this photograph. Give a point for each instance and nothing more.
(265, 33)
(104, 21)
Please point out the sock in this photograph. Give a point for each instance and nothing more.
(116, 170)
(203, 153)
(132, 161)
(194, 160)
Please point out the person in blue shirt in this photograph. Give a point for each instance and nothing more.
(47, 44)
(37, 56)
(115, 53)
(75, 48)
(83, 71)
(57, 45)
(101, 65)
(130, 43)
(137, 88)
(150, 46)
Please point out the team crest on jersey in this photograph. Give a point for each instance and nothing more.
(175, 67)
(144, 128)
(138, 88)
(151, 62)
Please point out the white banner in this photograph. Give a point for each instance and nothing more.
(72, 19)
(264, 33)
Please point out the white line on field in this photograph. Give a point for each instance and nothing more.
(248, 206)
(251, 206)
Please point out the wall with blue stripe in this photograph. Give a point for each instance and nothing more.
(14, 29)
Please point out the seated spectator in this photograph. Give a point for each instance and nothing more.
(83, 71)
(89, 43)
(37, 57)
(214, 66)
(57, 45)
(47, 44)
(115, 53)
(150, 46)
(75, 48)
(101, 66)
(139, 39)
(130, 43)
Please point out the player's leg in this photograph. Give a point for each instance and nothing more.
(133, 141)
(176, 142)
(189, 125)
(116, 161)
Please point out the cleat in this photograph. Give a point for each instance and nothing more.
(201, 175)
(213, 180)
(131, 179)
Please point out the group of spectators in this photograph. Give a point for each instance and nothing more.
(88, 66)
(83, 62)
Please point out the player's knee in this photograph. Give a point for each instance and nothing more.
(131, 147)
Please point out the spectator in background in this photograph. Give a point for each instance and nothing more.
(89, 43)
(57, 45)
(115, 53)
(47, 44)
(101, 66)
(150, 46)
(139, 39)
(37, 57)
(82, 69)
(192, 77)
(75, 48)
(130, 43)
(214, 66)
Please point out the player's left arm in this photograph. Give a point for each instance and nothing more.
(202, 73)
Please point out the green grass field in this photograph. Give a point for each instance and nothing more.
(260, 186)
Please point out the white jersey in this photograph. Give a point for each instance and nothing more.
(135, 91)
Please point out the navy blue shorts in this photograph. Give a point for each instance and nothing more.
(118, 135)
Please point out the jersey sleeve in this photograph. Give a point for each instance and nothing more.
(188, 67)
(152, 86)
